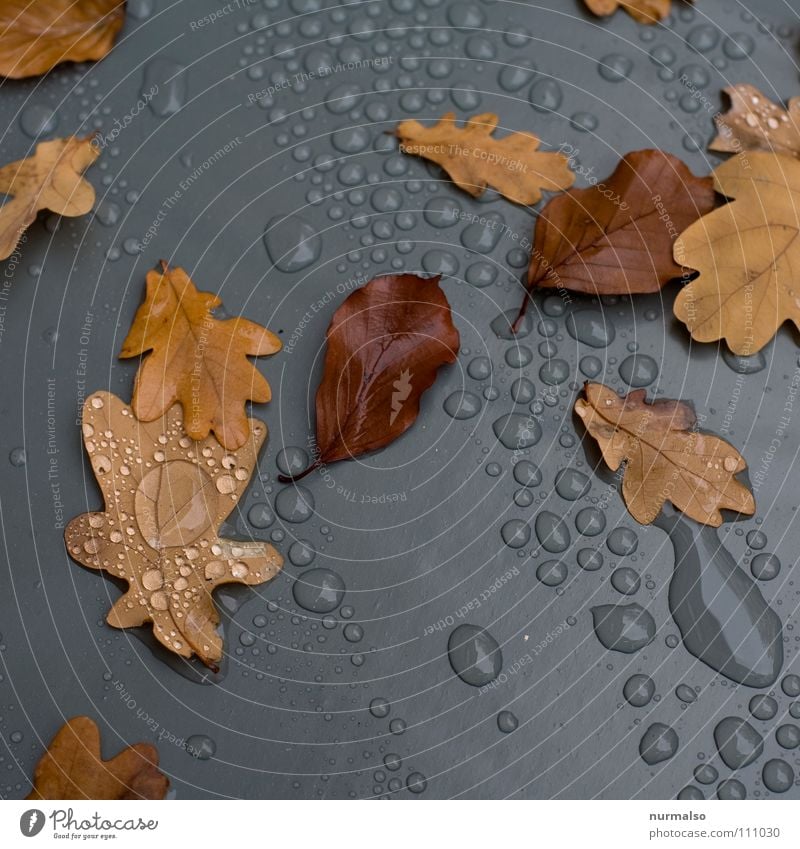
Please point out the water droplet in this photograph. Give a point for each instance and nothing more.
(38, 120)
(687, 695)
(777, 775)
(545, 95)
(295, 504)
(516, 74)
(302, 552)
(690, 793)
(590, 560)
(623, 628)
(590, 522)
(788, 736)
(342, 98)
(481, 274)
(201, 746)
(591, 327)
(479, 368)
(572, 484)
(507, 722)
(474, 655)
(622, 541)
(626, 581)
(462, 404)
(552, 573)
(319, 590)
(483, 235)
(639, 690)
(765, 567)
(554, 372)
(517, 431)
(379, 708)
(638, 370)
(164, 86)
(502, 324)
(442, 212)
(416, 782)
(731, 789)
(17, 457)
(738, 743)
(791, 685)
(516, 533)
(292, 243)
(763, 707)
(659, 743)
(705, 774)
(738, 45)
(615, 67)
(552, 532)
(440, 262)
(260, 515)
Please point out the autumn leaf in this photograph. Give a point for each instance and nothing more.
(643, 11)
(165, 498)
(667, 458)
(474, 160)
(50, 179)
(196, 359)
(747, 253)
(754, 122)
(73, 768)
(37, 35)
(616, 237)
(385, 345)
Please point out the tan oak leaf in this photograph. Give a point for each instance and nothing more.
(754, 122)
(666, 458)
(474, 159)
(165, 498)
(50, 179)
(747, 253)
(643, 11)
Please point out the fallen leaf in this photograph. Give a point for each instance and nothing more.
(747, 253)
(50, 179)
(616, 237)
(37, 35)
(643, 11)
(667, 458)
(754, 122)
(474, 160)
(73, 768)
(196, 359)
(165, 498)
(385, 345)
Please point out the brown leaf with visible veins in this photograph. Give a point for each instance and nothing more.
(37, 35)
(50, 179)
(643, 11)
(474, 160)
(73, 768)
(747, 253)
(754, 122)
(165, 498)
(196, 359)
(616, 237)
(667, 458)
(385, 345)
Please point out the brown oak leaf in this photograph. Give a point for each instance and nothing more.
(165, 498)
(754, 122)
(196, 359)
(50, 179)
(474, 160)
(73, 768)
(747, 253)
(666, 457)
(37, 35)
(616, 237)
(385, 345)
(643, 11)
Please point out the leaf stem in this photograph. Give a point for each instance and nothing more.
(300, 475)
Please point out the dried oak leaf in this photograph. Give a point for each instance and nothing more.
(73, 768)
(667, 458)
(474, 160)
(643, 11)
(754, 122)
(747, 253)
(196, 359)
(616, 237)
(165, 497)
(50, 179)
(37, 35)
(385, 345)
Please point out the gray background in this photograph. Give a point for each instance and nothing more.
(290, 715)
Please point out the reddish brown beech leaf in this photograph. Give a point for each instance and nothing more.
(73, 768)
(385, 344)
(754, 122)
(37, 35)
(616, 237)
(666, 457)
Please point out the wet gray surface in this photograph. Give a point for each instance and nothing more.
(275, 184)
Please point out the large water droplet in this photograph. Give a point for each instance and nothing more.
(474, 655)
(164, 86)
(738, 743)
(517, 431)
(623, 628)
(552, 532)
(639, 690)
(319, 590)
(462, 404)
(778, 776)
(659, 743)
(722, 616)
(591, 327)
(292, 243)
(295, 504)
